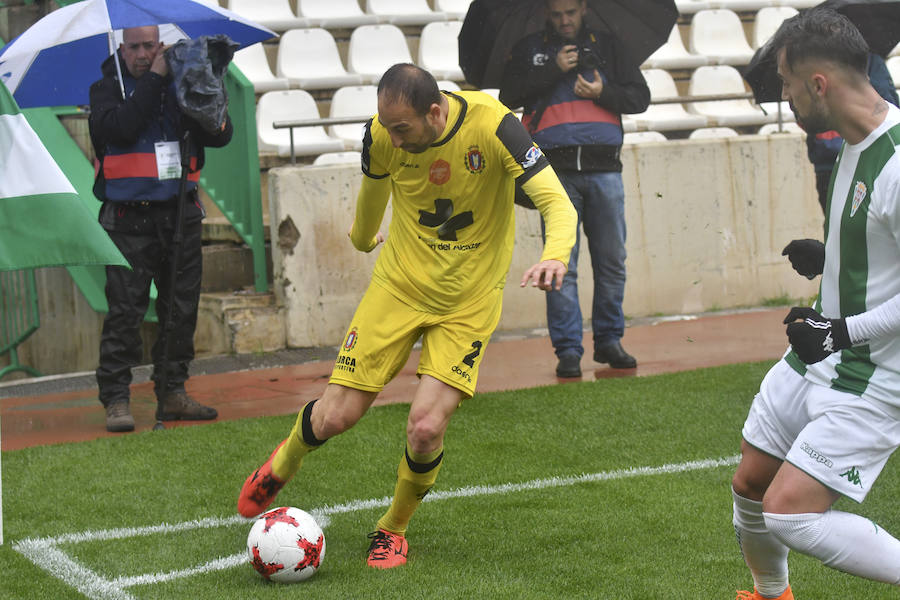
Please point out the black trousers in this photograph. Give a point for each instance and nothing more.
(144, 236)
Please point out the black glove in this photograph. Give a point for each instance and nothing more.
(807, 257)
(815, 337)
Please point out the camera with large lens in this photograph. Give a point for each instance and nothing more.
(588, 59)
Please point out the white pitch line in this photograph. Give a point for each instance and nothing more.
(44, 553)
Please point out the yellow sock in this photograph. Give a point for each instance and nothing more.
(415, 476)
(299, 443)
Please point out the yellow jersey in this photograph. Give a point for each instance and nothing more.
(452, 230)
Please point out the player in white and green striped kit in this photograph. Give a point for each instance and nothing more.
(827, 416)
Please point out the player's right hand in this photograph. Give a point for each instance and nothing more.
(807, 256)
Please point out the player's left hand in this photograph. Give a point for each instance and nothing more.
(814, 337)
(589, 89)
(546, 275)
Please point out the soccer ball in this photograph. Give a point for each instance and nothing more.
(286, 545)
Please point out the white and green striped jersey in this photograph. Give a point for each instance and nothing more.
(862, 262)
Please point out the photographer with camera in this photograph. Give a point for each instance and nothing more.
(574, 84)
(137, 131)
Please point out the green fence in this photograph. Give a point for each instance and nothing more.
(19, 316)
(231, 174)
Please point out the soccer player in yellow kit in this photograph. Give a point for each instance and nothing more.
(451, 162)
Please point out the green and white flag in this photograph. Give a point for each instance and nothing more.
(42, 221)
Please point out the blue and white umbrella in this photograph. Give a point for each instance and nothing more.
(54, 62)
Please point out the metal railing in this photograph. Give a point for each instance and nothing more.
(325, 121)
(19, 316)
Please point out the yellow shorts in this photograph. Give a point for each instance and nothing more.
(384, 329)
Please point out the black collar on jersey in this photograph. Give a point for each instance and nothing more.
(459, 120)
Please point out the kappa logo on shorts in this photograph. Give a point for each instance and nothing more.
(852, 475)
(814, 454)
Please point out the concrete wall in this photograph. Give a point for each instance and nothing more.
(707, 221)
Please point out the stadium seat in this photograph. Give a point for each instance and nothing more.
(673, 55)
(454, 9)
(767, 21)
(254, 64)
(895, 51)
(492, 92)
(274, 14)
(337, 158)
(770, 128)
(722, 79)
(799, 4)
(403, 12)
(628, 124)
(309, 59)
(893, 67)
(439, 50)
(665, 117)
(640, 137)
(771, 109)
(742, 5)
(292, 105)
(705, 133)
(719, 35)
(448, 86)
(352, 101)
(374, 48)
(334, 14)
(687, 7)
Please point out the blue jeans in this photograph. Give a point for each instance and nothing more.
(599, 200)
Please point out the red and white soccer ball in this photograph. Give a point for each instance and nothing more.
(286, 545)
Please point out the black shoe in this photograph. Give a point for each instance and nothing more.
(569, 365)
(178, 405)
(118, 416)
(615, 355)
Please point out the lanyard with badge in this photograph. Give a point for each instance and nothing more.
(168, 154)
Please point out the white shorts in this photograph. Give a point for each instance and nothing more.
(841, 440)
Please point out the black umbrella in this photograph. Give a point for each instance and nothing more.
(877, 20)
(492, 27)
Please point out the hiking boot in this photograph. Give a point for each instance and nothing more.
(118, 417)
(260, 489)
(615, 355)
(569, 365)
(387, 550)
(178, 405)
(745, 595)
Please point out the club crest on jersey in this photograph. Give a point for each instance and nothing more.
(474, 160)
(859, 194)
(350, 342)
(439, 172)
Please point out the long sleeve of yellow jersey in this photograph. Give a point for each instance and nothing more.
(370, 205)
(560, 218)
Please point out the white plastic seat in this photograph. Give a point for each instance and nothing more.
(767, 22)
(771, 109)
(743, 5)
(799, 4)
(641, 137)
(309, 59)
(274, 14)
(454, 9)
(673, 54)
(334, 14)
(722, 79)
(254, 64)
(403, 12)
(348, 157)
(705, 133)
(719, 35)
(291, 105)
(893, 67)
(772, 128)
(352, 101)
(687, 7)
(375, 48)
(629, 124)
(668, 116)
(492, 92)
(449, 86)
(895, 51)
(439, 50)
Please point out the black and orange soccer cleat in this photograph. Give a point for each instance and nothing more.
(754, 595)
(387, 550)
(260, 489)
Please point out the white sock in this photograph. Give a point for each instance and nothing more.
(842, 541)
(764, 554)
